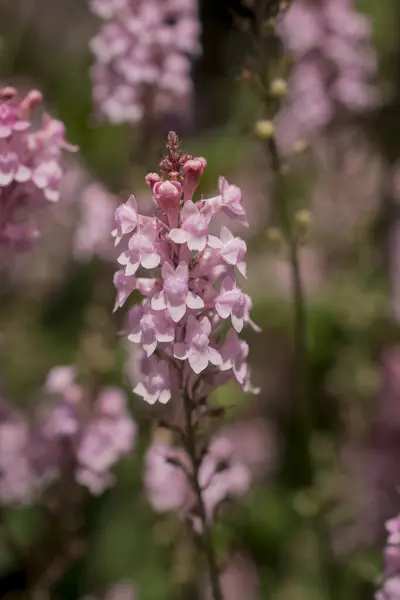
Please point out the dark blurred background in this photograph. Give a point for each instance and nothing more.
(56, 308)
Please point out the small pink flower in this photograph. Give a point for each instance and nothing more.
(124, 286)
(194, 229)
(192, 171)
(156, 385)
(152, 328)
(175, 296)
(127, 219)
(232, 302)
(232, 249)
(229, 201)
(234, 353)
(196, 348)
(141, 250)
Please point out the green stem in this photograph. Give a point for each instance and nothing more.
(300, 352)
(206, 537)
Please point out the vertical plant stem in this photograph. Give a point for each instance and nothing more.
(206, 535)
(300, 354)
(297, 294)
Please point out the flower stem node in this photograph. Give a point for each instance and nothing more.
(264, 129)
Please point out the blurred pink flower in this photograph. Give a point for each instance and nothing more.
(143, 55)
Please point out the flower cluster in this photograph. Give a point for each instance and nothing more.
(237, 455)
(143, 56)
(222, 475)
(390, 589)
(333, 60)
(68, 437)
(30, 166)
(193, 309)
(92, 236)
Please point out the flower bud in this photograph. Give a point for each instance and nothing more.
(192, 171)
(152, 179)
(264, 129)
(278, 87)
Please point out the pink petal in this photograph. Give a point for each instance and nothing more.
(205, 326)
(151, 261)
(167, 270)
(214, 242)
(140, 390)
(198, 361)
(123, 258)
(131, 268)
(196, 243)
(237, 323)
(178, 235)
(158, 302)
(180, 351)
(241, 267)
(176, 312)
(214, 356)
(189, 210)
(136, 338)
(223, 310)
(182, 271)
(194, 302)
(228, 284)
(225, 235)
(165, 337)
(149, 348)
(164, 397)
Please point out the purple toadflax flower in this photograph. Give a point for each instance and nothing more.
(333, 63)
(143, 54)
(390, 589)
(30, 167)
(192, 291)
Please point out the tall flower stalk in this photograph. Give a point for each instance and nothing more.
(188, 323)
(268, 71)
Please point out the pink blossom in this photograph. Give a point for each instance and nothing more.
(196, 347)
(194, 229)
(143, 53)
(175, 296)
(229, 201)
(152, 328)
(160, 469)
(232, 249)
(156, 385)
(193, 289)
(333, 61)
(126, 218)
(232, 302)
(141, 250)
(30, 167)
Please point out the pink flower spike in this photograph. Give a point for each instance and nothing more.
(127, 219)
(231, 301)
(196, 348)
(192, 171)
(194, 230)
(175, 296)
(141, 250)
(156, 385)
